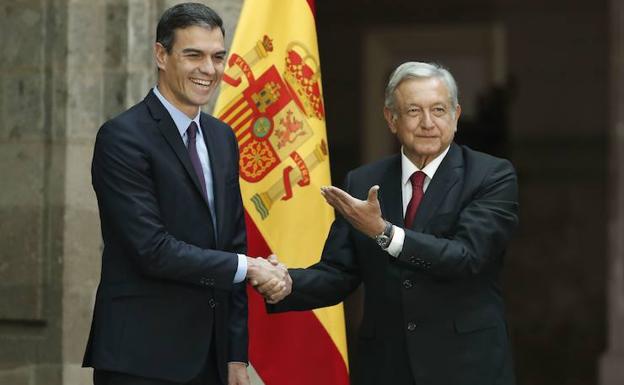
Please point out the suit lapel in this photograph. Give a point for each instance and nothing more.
(390, 195)
(444, 179)
(216, 157)
(169, 130)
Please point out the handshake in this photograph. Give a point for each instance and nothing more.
(269, 277)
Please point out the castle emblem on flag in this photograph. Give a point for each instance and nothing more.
(271, 116)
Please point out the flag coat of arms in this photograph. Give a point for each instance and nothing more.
(271, 96)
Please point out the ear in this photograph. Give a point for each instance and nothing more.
(389, 115)
(160, 55)
(457, 114)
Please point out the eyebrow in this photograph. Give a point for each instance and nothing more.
(198, 51)
(191, 50)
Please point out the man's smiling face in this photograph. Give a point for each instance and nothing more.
(191, 71)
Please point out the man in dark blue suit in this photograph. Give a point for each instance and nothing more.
(425, 231)
(171, 307)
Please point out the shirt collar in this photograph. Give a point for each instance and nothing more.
(180, 119)
(408, 168)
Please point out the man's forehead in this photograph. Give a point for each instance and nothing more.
(422, 87)
(423, 82)
(198, 34)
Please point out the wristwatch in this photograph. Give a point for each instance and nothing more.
(385, 237)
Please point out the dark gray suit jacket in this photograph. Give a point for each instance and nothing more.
(435, 314)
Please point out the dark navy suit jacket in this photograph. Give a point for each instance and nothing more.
(166, 280)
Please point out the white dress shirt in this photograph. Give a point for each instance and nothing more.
(407, 169)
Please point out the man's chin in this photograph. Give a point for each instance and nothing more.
(202, 98)
(428, 150)
(202, 101)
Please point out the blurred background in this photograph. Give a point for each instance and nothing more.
(541, 83)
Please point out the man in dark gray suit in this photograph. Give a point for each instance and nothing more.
(425, 231)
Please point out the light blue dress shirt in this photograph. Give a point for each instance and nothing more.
(182, 122)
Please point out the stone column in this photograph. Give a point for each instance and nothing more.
(612, 362)
(30, 221)
(66, 67)
(109, 68)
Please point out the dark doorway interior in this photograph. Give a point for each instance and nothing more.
(546, 110)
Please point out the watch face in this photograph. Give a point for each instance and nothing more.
(383, 240)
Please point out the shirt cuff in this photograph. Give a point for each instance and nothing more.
(241, 271)
(396, 244)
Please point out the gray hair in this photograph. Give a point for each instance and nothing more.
(419, 70)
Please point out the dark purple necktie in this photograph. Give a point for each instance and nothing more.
(191, 133)
(418, 181)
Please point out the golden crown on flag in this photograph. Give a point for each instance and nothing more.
(264, 47)
(302, 73)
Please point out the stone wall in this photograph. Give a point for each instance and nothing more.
(32, 120)
(67, 66)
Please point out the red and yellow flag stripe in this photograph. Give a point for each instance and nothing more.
(272, 99)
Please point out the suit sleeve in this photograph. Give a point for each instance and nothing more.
(128, 205)
(238, 332)
(330, 280)
(481, 232)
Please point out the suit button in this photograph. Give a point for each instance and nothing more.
(212, 303)
(407, 284)
(411, 326)
(412, 259)
(210, 282)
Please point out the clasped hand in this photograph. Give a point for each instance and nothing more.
(270, 278)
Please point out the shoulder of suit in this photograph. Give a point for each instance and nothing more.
(474, 158)
(471, 158)
(478, 165)
(131, 121)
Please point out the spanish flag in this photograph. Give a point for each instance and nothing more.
(272, 98)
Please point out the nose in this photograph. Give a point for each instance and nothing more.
(427, 122)
(207, 66)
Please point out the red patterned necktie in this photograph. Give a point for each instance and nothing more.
(418, 180)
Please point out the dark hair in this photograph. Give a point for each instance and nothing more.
(185, 15)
